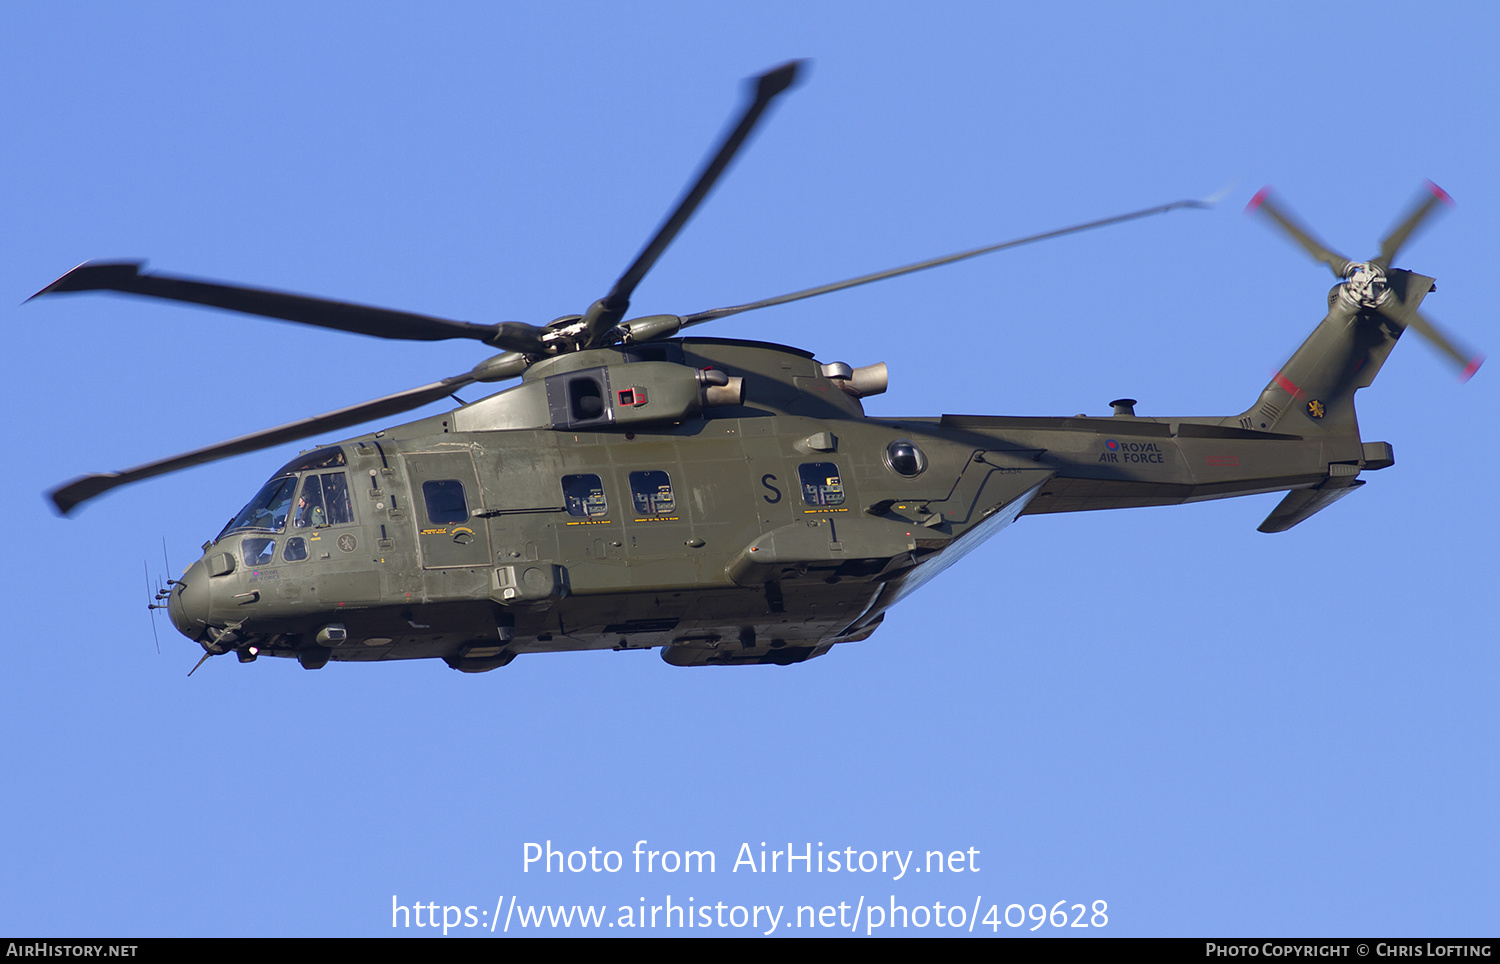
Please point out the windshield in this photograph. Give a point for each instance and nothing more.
(267, 511)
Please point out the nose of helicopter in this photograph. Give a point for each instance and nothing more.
(189, 605)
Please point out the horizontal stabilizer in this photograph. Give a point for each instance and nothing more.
(1299, 504)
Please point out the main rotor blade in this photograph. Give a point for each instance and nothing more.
(127, 277)
(70, 496)
(767, 87)
(1403, 232)
(1297, 232)
(1467, 361)
(713, 313)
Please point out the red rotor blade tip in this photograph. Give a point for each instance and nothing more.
(1260, 196)
(1440, 194)
(1471, 368)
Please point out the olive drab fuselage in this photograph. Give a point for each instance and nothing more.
(725, 500)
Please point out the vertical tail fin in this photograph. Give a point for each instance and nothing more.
(1313, 393)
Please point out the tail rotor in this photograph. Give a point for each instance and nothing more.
(1374, 286)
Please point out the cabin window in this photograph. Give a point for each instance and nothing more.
(651, 493)
(584, 496)
(295, 550)
(257, 552)
(821, 484)
(445, 501)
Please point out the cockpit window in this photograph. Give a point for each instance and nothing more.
(267, 511)
(329, 458)
(258, 552)
(324, 501)
(295, 550)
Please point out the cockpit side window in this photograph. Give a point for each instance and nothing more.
(258, 552)
(336, 499)
(324, 501)
(310, 511)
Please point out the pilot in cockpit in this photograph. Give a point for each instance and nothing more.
(309, 514)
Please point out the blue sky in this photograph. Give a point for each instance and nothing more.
(1216, 731)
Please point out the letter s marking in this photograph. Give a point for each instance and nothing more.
(766, 481)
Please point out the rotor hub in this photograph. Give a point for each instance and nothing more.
(1365, 285)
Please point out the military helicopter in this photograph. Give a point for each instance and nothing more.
(727, 501)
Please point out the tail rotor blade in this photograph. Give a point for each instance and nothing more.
(1403, 232)
(1468, 362)
(1299, 234)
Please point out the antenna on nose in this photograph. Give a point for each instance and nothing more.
(153, 603)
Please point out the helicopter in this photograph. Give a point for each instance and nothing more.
(723, 500)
